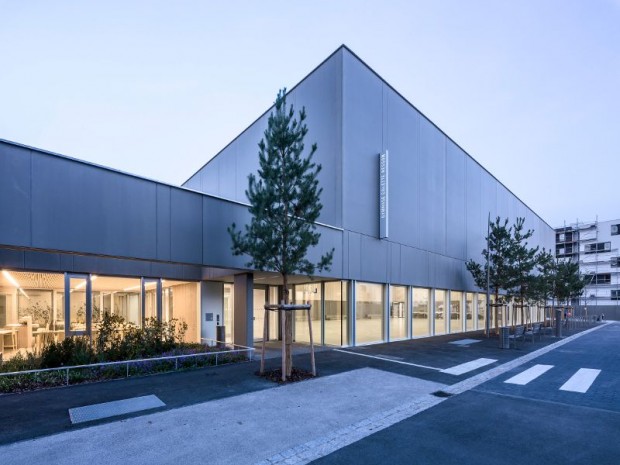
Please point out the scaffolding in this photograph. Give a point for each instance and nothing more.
(583, 242)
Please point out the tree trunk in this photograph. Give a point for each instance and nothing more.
(288, 331)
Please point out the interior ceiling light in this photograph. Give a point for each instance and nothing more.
(14, 282)
(83, 283)
(10, 278)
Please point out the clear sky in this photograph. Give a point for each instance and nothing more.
(531, 89)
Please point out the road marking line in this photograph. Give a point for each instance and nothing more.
(378, 357)
(581, 381)
(529, 375)
(469, 366)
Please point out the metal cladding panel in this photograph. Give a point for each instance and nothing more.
(321, 94)
(245, 149)
(404, 157)
(475, 218)
(194, 182)
(41, 260)
(15, 195)
(395, 269)
(374, 259)
(414, 266)
(226, 175)
(456, 206)
(226, 179)
(83, 208)
(11, 258)
(432, 182)
(209, 179)
(355, 255)
(163, 222)
(489, 197)
(362, 143)
(504, 204)
(217, 216)
(330, 238)
(186, 226)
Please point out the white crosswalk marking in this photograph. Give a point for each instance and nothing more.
(469, 366)
(581, 381)
(529, 375)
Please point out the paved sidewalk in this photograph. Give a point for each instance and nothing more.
(226, 412)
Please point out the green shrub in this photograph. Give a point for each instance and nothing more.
(21, 362)
(75, 350)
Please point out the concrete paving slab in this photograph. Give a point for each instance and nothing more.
(236, 430)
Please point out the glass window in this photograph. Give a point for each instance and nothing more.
(456, 312)
(259, 298)
(470, 313)
(308, 293)
(228, 312)
(440, 312)
(482, 311)
(398, 312)
(369, 312)
(336, 313)
(150, 298)
(421, 310)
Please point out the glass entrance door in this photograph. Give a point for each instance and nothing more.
(78, 305)
(260, 299)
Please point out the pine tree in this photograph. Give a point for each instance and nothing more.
(498, 255)
(523, 263)
(284, 204)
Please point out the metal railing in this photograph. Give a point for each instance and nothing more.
(168, 363)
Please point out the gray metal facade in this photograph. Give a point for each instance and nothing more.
(439, 196)
(65, 215)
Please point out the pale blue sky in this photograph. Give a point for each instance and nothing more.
(531, 89)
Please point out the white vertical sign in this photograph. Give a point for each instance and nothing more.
(383, 195)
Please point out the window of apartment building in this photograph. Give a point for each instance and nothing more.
(615, 294)
(601, 278)
(615, 262)
(597, 247)
(615, 229)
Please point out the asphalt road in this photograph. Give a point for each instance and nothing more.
(561, 408)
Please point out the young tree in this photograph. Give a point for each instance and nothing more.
(543, 283)
(569, 284)
(523, 260)
(498, 255)
(284, 204)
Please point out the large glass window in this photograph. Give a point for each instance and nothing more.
(482, 311)
(456, 312)
(308, 293)
(398, 312)
(440, 312)
(421, 312)
(150, 298)
(77, 304)
(369, 310)
(182, 299)
(259, 300)
(470, 312)
(336, 313)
